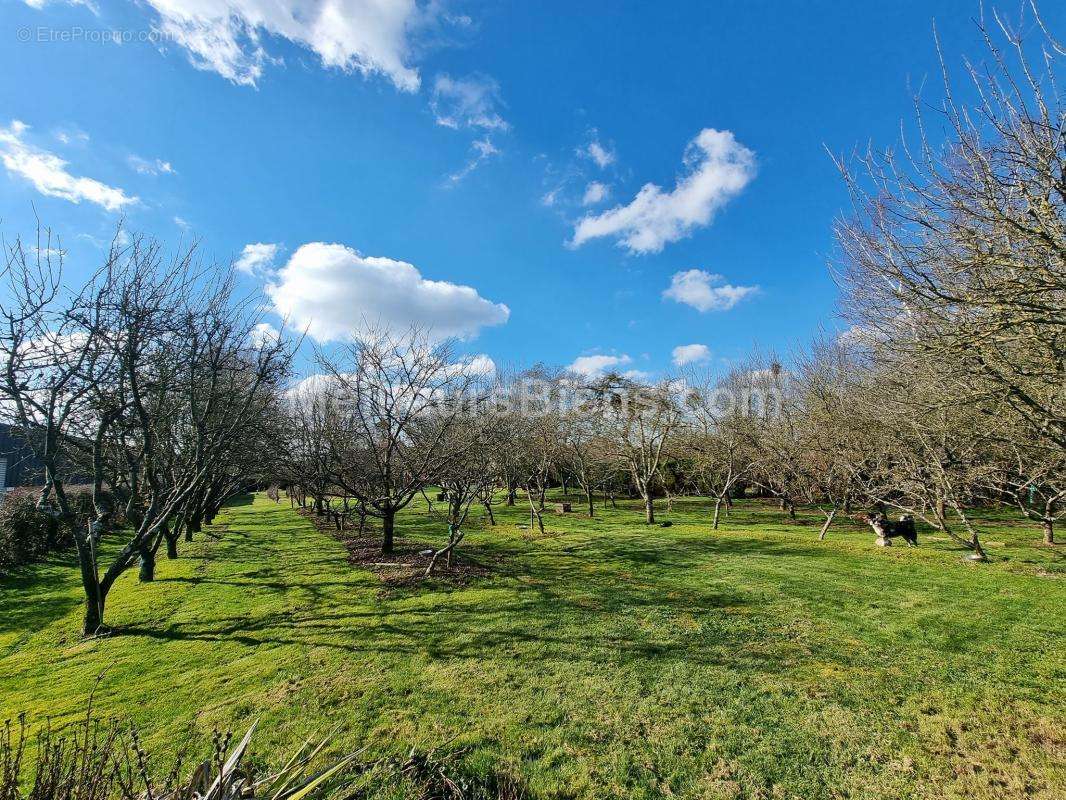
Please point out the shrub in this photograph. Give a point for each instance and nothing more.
(28, 533)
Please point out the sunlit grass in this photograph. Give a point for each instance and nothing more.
(605, 659)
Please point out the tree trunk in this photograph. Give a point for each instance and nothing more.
(94, 595)
(172, 545)
(193, 525)
(828, 521)
(511, 492)
(588, 498)
(649, 509)
(1049, 532)
(488, 508)
(388, 524)
(147, 557)
(717, 509)
(534, 514)
(94, 615)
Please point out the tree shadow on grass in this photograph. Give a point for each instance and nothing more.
(33, 597)
(595, 608)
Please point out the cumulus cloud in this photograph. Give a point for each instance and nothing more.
(335, 292)
(596, 366)
(476, 368)
(690, 354)
(145, 166)
(705, 291)
(264, 333)
(255, 258)
(49, 175)
(597, 152)
(468, 102)
(718, 168)
(480, 364)
(227, 36)
(595, 192)
(860, 336)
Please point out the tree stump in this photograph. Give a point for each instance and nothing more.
(563, 508)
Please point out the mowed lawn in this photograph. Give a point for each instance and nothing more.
(606, 659)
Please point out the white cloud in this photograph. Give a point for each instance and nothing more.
(255, 258)
(603, 156)
(228, 36)
(480, 364)
(705, 291)
(595, 192)
(691, 354)
(46, 253)
(89, 4)
(718, 168)
(313, 386)
(595, 366)
(144, 166)
(71, 135)
(182, 223)
(49, 175)
(336, 292)
(468, 102)
(483, 149)
(859, 336)
(549, 198)
(476, 366)
(264, 333)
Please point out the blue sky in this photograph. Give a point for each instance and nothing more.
(549, 180)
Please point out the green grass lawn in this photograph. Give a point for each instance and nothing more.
(607, 659)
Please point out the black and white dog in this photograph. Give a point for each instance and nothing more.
(886, 529)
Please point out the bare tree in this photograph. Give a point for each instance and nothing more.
(933, 453)
(639, 421)
(585, 451)
(957, 254)
(1033, 480)
(393, 406)
(838, 440)
(470, 472)
(148, 371)
(718, 437)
